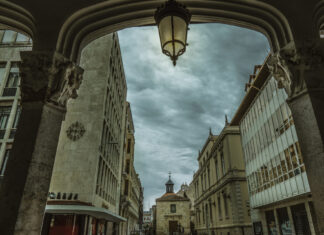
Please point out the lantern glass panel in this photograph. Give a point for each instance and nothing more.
(165, 30)
(180, 33)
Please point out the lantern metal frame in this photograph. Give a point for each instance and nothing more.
(173, 8)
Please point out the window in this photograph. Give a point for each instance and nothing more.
(208, 176)
(219, 207)
(4, 162)
(128, 145)
(173, 208)
(203, 212)
(127, 166)
(223, 163)
(206, 211)
(13, 80)
(126, 188)
(2, 71)
(4, 116)
(216, 168)
(9, 36)
(210, 212)
(15, 124)
(22, 38)
(225, 204)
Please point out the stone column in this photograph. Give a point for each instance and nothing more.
(48, 80)
(310, 218)
(301, 74)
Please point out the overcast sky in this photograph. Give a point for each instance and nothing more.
(174, 107)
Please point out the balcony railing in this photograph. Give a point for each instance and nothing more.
(9, 91)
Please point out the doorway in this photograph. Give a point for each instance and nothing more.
(173, 225)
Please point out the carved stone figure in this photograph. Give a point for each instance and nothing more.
(49, 77)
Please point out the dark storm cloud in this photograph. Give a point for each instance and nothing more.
(173, 107)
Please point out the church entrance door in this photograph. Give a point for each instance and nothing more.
(173, 225)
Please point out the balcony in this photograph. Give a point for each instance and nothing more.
(9, 91)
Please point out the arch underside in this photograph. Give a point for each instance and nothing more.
(17, 18)
(108, 17)
(92, 22)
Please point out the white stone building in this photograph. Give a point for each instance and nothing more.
(280, 196)
(11, 43)
(85, 184)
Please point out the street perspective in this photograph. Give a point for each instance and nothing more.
(162, 117)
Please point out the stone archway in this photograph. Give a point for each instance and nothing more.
(293, 34)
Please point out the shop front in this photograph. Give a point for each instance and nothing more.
(289, 220)
(80, 220)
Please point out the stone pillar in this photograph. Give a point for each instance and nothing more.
(300, 72)
(48, 80)
(310, 218)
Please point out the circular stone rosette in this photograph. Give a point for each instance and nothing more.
(75, 131)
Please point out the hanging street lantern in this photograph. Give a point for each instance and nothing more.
(172, 19)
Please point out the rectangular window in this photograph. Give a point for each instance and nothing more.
(128, 145)
(223, 163)
(284, 222)
(4, 116)
(9, 36)
(126, 188)
(15, 124)
(211, 212)
(13, 80)
(219, 207)
(203, 212)
(208, 176)
(127, 166)
(173, 208)
(2, 71)
(216, 168)
(300, 219)
(225, 204)
(22, 38)
(271, 223)
(4, 162)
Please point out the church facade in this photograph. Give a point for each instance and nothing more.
(172, 212)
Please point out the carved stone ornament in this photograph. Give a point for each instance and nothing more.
(280, 72)
(49, 76)
(289, 68)
(75, 131)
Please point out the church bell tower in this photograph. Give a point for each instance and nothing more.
(169, 185)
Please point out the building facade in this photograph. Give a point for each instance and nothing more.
(221, 195)
(280, 196)
(131, 197)
(172, 212)
(11, 44)
(189, 192)
(85, 185)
